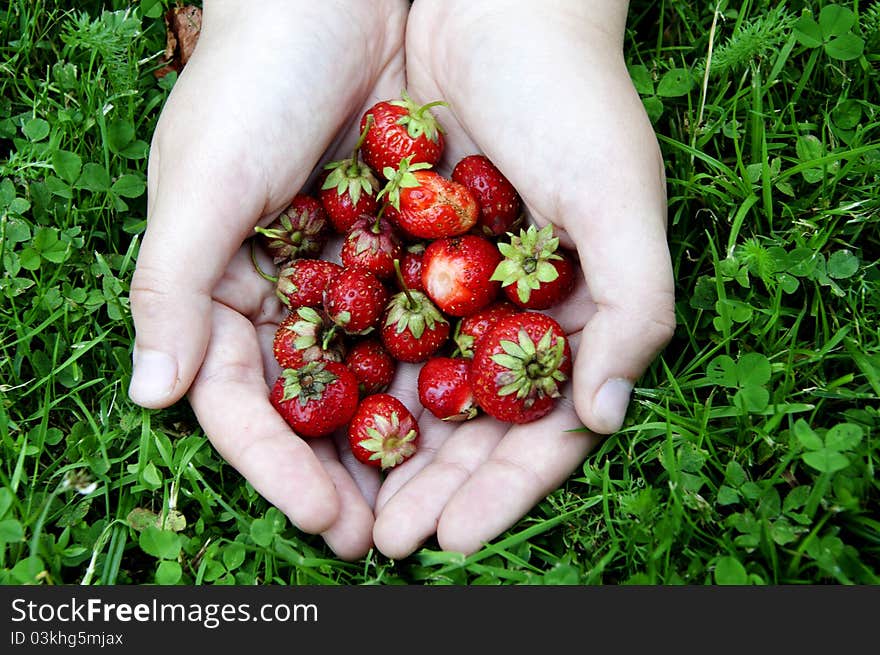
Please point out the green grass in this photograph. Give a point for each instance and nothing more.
(749, 453)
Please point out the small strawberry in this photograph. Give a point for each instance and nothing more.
(355, 299)
(302, 282)
(519, 367)
(445, 388)
(413, 328)
(383, 433)
(348, 189)
(535, 273)
(301, 230)
(411, 266)
(306, 336)
(471, 329)
(435, 207)
(401, 129)
(316, 398)
(500, 204)
(372, 365)
(374, 244)
(457, 273)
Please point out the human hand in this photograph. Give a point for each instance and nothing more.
(542, 90)
(271, 91)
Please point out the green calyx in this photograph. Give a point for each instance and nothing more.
(418, 120)
(351, 175)
(412, 310)
(293, 234)
(527, 260)
(307, 382)
(391, 441)
(402, 178)
(531, 370)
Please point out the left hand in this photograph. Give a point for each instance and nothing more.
(542, 90)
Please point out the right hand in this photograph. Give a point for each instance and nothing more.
(270, 92)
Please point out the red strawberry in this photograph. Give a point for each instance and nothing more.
(401, 129)
(355, 299)
(301, 230)
(306, 336)
(413, 328)
(372, 365)
(374, 244)
(348, 189)
(471, 329)
(383, 433)
(457, 273)
(445, 388)
(437, 207)
(302, 282)
(519, 367)
(316, 398)
(535, 273)
(411, 266)
(500, 204)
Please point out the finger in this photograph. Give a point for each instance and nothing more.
(624, 256)
(367, 478)
(433, 433)
(251, 435)
(350, 536)
(413, 509)
(529, 462)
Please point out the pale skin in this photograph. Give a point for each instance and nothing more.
(539, 88)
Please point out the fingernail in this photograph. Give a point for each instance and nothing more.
(611, 403)
(153, 378)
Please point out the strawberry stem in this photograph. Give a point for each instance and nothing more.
(328, 337)
(399, 274)
(368, 123)
(257, 268)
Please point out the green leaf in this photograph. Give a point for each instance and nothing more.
(642, 79)
(846, 47)
(674, 83)
(67, 165)
(129, 186)
(722, 370)
(233, 555)
(753, 369)
(653, 107)
(842, 264)
(58, 187)
(729, 571)
(847, 114)
(752, 399)
(36, 129)
(11, 531)
(119, 134)
(783, 532)
(50, 247)
(262, 532)
(826, 460)
(141, 518)
(26, 570)
(735, 474)
(844, 436)
(6, 499)
(150, 476)
(94, 178)
(162, 544)
(807, 31)
(806, 436)
(168, 572)
(727, 495)
(836, 20)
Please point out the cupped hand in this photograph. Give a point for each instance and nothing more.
(270, 92)
(542, 90)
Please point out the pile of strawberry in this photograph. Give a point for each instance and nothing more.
(433, 270)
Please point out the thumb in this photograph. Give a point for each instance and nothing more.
(626, 263)
(196, 220)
